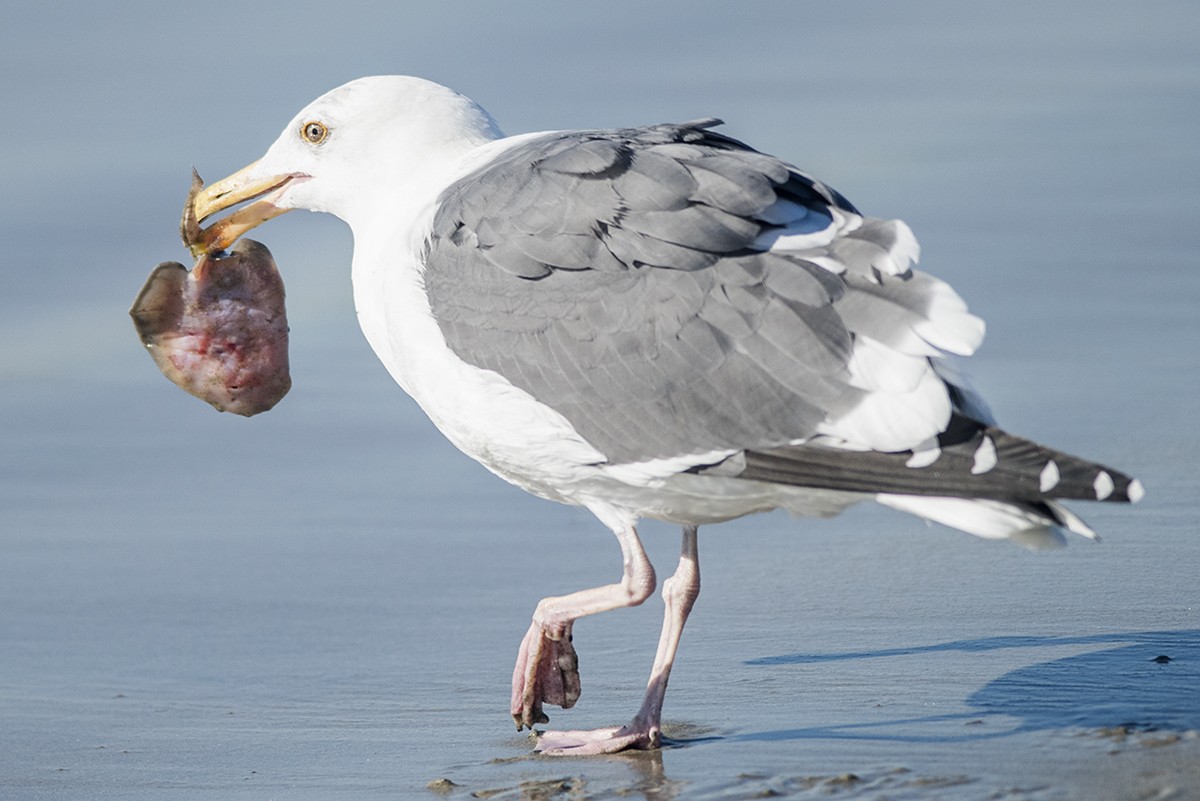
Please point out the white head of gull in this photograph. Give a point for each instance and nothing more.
(652, 322)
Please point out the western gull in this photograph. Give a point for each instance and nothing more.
(655, 322)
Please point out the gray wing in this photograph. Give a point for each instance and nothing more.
(671, 291)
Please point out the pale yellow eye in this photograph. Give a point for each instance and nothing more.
(314, 132)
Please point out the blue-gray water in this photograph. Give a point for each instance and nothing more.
(324, 602)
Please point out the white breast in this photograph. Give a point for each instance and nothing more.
(501, 426)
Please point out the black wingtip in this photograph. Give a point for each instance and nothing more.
(971, 461)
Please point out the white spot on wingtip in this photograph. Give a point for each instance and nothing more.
(985, 457)
(1135, 491)
(924, 454)
(1103, 485)
(1048, 479)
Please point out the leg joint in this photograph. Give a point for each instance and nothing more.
(639, 584)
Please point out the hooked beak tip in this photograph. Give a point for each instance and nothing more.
(242, 186)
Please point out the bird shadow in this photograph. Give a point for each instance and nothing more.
(1147, 681)
(1128, 683)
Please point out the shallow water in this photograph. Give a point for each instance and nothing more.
(324, 601)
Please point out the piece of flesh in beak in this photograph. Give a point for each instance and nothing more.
(205, 201)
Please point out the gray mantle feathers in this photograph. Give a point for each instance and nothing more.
(635, 281)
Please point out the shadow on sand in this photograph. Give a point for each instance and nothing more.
(1132, 682)
(1148, 681)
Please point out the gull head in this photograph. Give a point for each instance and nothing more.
(351, 152)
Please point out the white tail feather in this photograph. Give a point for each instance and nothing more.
(994, 520)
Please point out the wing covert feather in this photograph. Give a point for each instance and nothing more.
(627, 278)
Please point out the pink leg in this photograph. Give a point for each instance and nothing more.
(547, 670)
(645, 730)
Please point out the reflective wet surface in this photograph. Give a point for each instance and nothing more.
(325, 601)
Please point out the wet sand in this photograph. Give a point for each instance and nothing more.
(244, 639)
(324, 602)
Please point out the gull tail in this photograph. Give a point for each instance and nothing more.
(973, 477)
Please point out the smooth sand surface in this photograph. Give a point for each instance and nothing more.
(324, 602)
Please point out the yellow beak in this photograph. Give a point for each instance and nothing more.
(238, 188)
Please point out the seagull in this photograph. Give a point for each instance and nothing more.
(651, 322)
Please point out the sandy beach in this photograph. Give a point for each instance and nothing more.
(325, 601)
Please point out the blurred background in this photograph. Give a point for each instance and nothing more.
(335, 563)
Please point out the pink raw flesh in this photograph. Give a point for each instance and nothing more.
(219, 332)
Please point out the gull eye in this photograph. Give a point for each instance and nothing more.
(314, 132)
